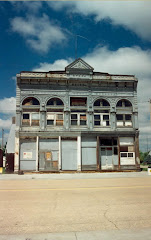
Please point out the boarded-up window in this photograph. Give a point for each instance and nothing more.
(35, 119)
(59, 119)
(78, 101)
(55, 119)
(30, 119)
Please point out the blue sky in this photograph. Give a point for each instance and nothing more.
(41, 36)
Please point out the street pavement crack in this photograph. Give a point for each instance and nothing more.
(105, 215)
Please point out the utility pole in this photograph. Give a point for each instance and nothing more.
(147, 143)
(2, 137)
(150, 110)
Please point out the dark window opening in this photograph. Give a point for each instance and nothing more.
(97, 123)
(55, 102)
(101, 103)
(128, 117)
(119, 117)
(106, 142)
(74, 122)
(97, 117)
(115, 151)
(25, 116)
(50, 122)
(130, 154)
(114, 141)
(123, 154)
(105, 117)
(73, 116)
(124, 103)
(107, 123)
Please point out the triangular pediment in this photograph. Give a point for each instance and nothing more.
(79, 64)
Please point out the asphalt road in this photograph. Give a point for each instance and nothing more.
(75, 205)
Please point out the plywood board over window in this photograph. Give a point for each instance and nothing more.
(77, 101)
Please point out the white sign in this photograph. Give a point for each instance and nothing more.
(27, 155)
(127, 161)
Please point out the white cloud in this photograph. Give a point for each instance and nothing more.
(8, 106)
(5, 124)
(57, 65)
(123, 61)
(133, 15)
(40, 33)
(7, 111)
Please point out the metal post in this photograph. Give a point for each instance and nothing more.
(97, 152)
(37, 152)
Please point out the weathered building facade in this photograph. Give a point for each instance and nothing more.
(77, 120)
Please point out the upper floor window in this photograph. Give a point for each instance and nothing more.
(101, 103)
(124, 120)
(101, 113)
(30, 119)
(55, 102)
(55, 119)
(30, 101)
(101, 119)
(78, 102)
(30, 114)
(55, 116)
(78, 119)
(124, 103)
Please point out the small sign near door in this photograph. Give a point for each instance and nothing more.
(27, 155)
(48, 156)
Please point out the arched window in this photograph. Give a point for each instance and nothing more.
(30, 101)
(101, 103)
(55, 102)
(123, 103)
(101, 113)
(124, 119)
(30, 114)
(55, 114)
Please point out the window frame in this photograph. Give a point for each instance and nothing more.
(31, 119)
(101, 119)
(78, 119)
(124, 121)
(55, 114)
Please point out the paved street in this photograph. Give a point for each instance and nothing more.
(47, 205)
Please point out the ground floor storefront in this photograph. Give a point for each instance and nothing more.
(77, 153)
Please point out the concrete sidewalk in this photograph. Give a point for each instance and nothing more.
(96, 235)
(76, 175)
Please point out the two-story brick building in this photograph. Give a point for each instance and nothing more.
(76, 119)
